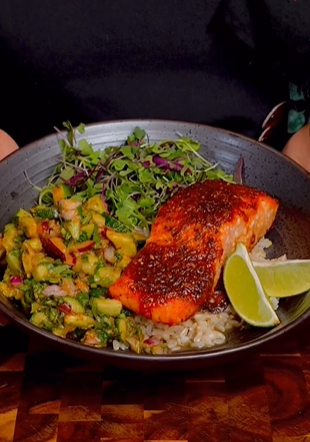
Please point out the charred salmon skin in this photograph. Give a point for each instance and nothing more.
(177, 270)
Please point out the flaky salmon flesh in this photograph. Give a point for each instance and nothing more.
(176, 272)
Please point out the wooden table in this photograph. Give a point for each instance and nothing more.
(48, 396)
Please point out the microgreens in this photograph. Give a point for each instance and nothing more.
(134, 179)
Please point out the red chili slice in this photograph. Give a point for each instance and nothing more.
(43, 228)
(65, 308)
(103, 232)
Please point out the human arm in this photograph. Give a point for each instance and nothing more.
(7, 145)
(298, 147)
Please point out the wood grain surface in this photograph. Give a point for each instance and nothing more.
(47, 396)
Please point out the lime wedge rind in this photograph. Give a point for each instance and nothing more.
(245, 290)
(282, 262)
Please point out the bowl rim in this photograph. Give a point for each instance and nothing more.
(214, 353)
(137, 121)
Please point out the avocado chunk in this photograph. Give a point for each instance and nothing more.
(95, 203)
(106, 306)
(10, 237)
(79, 321)
(40, 272)
(76, 306)
(88, 229)
(27, 223)
(45, 269)
(60, 331)
(41, 320)
(122, 260)
(129, 333)
(123, 242)
(105, 276)
(98, 219)
(27, 263)
(32, 245)
(13, 259)
(74, 228)
(140, 238)
(29, 249)
(121, 328)
(86, 263)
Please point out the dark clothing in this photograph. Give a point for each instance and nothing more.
(209, 61)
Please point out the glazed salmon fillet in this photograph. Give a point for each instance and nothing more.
(177, 271)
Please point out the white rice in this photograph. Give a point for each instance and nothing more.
(259, 253)
(203, 330)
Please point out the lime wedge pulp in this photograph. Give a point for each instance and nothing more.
(284, 278)
(245, 290)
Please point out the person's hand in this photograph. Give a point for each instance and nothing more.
(298, 147)
(7, 145)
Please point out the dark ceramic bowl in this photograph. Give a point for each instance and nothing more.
(265, 169)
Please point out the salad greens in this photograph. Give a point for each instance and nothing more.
(134, 179)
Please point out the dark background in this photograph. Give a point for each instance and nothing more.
(224, 63)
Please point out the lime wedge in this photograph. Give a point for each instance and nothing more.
(284, 278)
(245, 290)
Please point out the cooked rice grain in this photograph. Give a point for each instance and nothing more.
(203, 330)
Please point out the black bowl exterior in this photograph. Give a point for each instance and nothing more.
(265, 168)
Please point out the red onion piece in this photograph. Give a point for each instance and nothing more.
(16, 280)
(161, 162)
(73, 181)
(168, 165)
(54, 290)
(152, 341)
(109, 254)
(177, 166)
